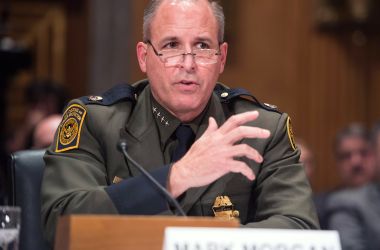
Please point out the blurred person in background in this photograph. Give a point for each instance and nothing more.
(43, 98)
(43, 134)
(355, 212)
(352, 153)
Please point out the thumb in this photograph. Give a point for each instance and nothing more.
(212, 125)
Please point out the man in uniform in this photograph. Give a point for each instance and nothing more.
(202, 141)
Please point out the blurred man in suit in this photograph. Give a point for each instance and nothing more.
(355, 212)
(352, 154)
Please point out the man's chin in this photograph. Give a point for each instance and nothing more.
(189, 111)
(186, 109)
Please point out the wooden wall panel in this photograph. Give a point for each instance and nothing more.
(322, 80)
(374, 79)
(137, 12)
(77, 62)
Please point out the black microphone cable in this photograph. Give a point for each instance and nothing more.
(122, 145)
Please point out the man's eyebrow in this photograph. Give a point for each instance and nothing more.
(208, 40)
(168, 39)
(204, 39)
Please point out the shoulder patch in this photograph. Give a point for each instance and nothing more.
(289, 130)
(70, 128)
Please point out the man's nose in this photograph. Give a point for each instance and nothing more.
(188, 61)
(357, 158)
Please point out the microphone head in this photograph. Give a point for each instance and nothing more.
(122, 145)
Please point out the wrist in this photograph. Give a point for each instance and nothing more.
(176, 183)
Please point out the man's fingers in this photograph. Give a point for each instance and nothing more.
(241, 167)
(238, 120)
(242, 132)
(246, 151)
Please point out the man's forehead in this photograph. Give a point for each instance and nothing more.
(174, 7)
(173, 38)
(184, 4)
(182, 39)
(354, 139)
(176, 18)
(183, 1)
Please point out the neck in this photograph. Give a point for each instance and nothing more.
(186, 116)
(183, 115)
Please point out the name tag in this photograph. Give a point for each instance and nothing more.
(191, 238)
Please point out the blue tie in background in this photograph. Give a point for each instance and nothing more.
(185, 136)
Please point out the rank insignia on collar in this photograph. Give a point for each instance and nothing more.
(69, 130)
(289, 130)
(160, 117)
(224, 209)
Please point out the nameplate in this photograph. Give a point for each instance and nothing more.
(191, 238)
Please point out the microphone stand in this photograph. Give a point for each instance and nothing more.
(123, 147)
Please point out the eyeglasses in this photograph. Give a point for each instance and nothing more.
(174, 57)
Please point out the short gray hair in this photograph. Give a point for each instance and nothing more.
(151, 9)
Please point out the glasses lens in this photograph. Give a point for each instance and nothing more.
(206, 56)
(172, 60)
(176, 57)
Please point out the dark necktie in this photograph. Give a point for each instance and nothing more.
(185, 136)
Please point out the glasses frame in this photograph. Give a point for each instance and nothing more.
(159, 54)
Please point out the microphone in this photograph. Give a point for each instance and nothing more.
(122, 146)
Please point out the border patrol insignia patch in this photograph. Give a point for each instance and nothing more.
(70, 128)
(290, 133)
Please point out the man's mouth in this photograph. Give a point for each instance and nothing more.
(357, 169)
(187, 86)
(185, 82)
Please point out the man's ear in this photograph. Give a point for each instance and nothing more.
(223, 56)
(141, 49)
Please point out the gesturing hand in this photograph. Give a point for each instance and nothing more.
(214, 154)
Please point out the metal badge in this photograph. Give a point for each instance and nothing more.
(224, 209)
(116, 180)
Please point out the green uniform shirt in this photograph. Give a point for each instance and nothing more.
(86, 173)
(166, 125)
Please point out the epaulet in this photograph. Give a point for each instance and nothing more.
(116, 94)
(227, 94)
